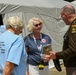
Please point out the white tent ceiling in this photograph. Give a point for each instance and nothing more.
(74, 2)
(7, 6)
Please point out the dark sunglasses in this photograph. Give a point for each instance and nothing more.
(36, 25)
(21, 31)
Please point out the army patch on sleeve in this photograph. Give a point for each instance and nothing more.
(73, 29)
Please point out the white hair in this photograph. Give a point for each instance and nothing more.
(15, 22)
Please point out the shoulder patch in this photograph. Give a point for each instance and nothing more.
(73, 29)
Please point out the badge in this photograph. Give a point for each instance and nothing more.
(43, 40)
(39, 47)
(73, 29)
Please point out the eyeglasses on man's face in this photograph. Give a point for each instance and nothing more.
(36, 25)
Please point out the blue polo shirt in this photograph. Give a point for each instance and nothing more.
(33, 53)
(12, 49)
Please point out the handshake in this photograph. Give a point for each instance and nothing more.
(47, 53)
(47, 57)
(52, 55)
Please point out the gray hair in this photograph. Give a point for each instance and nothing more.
(30, 23)
(15, 22)
(68, 9)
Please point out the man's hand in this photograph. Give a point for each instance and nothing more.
(52, 55)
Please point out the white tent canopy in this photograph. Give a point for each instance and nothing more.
(74, 2)
(47, 10)
(31, 6)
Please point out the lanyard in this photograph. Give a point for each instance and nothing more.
(38, 46)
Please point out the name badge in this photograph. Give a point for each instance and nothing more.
(39, 47)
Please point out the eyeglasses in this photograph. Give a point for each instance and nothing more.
(36, 25)
(21, 30)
